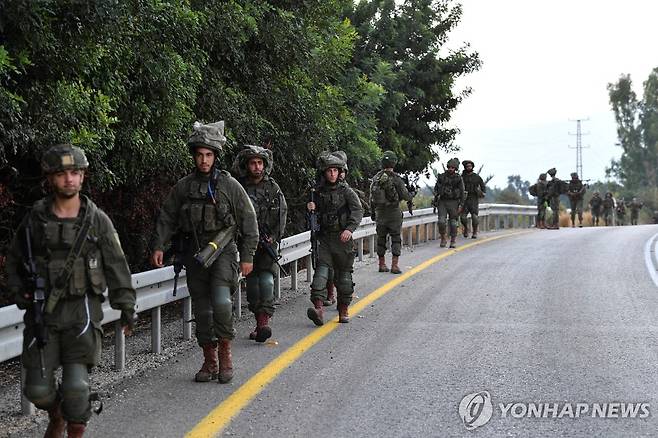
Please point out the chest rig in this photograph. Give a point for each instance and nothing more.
(450, 186)
(266, 200)
(332, 208)
(204, 212)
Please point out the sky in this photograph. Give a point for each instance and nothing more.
(543, 65)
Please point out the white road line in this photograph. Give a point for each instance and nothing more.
(650, 248)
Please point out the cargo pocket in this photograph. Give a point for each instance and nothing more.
(210, 218)
(96, 275)
(78, 282)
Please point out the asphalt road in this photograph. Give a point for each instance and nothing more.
(548, 318)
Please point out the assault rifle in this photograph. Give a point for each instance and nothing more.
(412, 189)
(37, 285)
(178, 252)
(313, 225)
(264, 239)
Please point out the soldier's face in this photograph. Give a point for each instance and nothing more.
(451, 169)
(331, 175)
(67, 183)
(256, 167)
(468, 167)
(204, 159)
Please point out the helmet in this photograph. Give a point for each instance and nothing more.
(210, 136)
(552, 171)
(389, 159)
(249, 152)
(62, 157)
(453, 162)
(465, 162)
(574, 175)
(336, 159)
(542, 176)
(597, 194)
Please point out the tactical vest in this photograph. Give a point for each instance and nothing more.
(471, 184)
(201, 214)
(596, 202)
(333, 210)
(382, 190)
(608, 203)
(576, 187)
(450, 186)
(266, 199)
(52, 240)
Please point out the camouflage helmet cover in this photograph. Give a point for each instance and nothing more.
(337, 159)
(453, 162)
(247, 153)
(389, 159)
(552, 171)
(63, 157)
(210, 136)
(465, 162)
(574, 175)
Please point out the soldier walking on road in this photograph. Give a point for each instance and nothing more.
(576, 192)
(449, 197)
(608, 207)
(63, 256)
(475, 190)
(540, 190)
(555, 188)
(339, 212)
(209, 207)
(386, 192)
(621, 212)
(253, 166)
(595, 205)
(635, 207)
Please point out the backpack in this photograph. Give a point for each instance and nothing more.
(383, 191)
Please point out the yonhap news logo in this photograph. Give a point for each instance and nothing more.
(477, 409)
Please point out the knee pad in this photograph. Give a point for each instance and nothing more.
(344, 282)
(320, 278)
(41, 392)
(75, 393)
(474, 219)
(221, 296)
(442, 221)
(266, 284)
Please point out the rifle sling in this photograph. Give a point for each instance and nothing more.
(63, 277)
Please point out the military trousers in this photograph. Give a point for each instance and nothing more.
(448, 208)
(73, 342)
(634, 216)
(211, 290)
(472, 206)
(607, 216)
(541, 209)
(555, 207)
(621, 218)
(596, 214)
(576, 209)
(339, 257)
(389, 222)
(260, 283)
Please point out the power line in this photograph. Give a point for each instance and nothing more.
(579, 146)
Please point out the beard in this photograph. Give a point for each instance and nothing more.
(67, 193)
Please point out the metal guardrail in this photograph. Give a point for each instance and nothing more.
(154, 288)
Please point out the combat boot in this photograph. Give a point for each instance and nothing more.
(444, 242)
(225, 361)
(57, 424)
(75, 430)
(263, 331)
(465, 232)
(475, 232)
(252, 335)
(209, 368)
(395, 269)
(343, 314)
(382, 264)
(453, 242)
(315, 313)
(331, 294)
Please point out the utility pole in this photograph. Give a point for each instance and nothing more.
(579, 146)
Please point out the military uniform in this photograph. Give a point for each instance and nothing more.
(555, 188)
(475, 189)
(621, 212)
(450, 195)
(608, 206)
(77, 258)
(201, 206)
(635, 207)
(595, 205)
(575, 192)
(386, 192)
(271, 211)
(338, 209)
(540, 191)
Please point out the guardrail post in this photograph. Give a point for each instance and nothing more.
(359, 249)
(293, 276)
(187, 316)
(309, 268)
(277, 282)
(410, 238)
(426, 237)
(119, 347)
(27, 408)
(156, 330)
(371, 247)
(417, 234)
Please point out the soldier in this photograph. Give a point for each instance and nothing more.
(63, 256)
(475, 190)
(253, 166)
(575, 192)
(554, 190)
(449, 197)
(608, 206)
(621, 212)
(339, 212)
(209, 208)
(540, 190)
(595, 205)
(386, 192)
(635, 207)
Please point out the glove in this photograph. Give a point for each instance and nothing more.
(128, 318)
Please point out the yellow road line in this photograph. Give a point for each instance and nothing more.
(219, 417)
